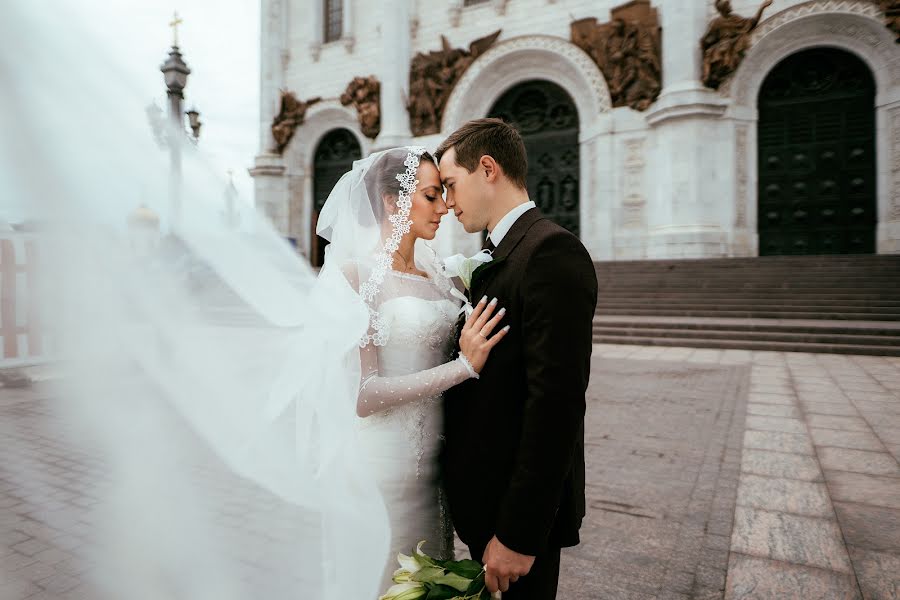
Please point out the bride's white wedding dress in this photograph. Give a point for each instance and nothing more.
(402, 442)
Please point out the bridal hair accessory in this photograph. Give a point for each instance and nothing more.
(401, 225)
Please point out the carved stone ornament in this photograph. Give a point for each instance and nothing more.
(289, 118)
(891, 10)
(432, 77)
(364, 93)
(726, 42)
(628, 51)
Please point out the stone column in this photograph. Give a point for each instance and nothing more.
(395, 59)
(269, 172)
(690, 199)
(273, 55)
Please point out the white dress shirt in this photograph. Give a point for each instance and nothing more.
(505, 224)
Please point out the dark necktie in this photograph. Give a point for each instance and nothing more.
(488, 244)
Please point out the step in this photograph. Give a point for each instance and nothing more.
(695, 306)
(875, 328)
(821, 259)
(747, 314)
(769, 336)
(696, 298)
(766, 346)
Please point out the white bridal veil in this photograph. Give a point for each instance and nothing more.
(209, 385)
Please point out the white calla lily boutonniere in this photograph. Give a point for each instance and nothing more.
(462, 267)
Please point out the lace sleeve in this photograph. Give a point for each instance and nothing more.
(377, 394)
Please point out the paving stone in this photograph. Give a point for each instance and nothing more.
(768, 398)
(837, 422)
(857, 440)
(858, 461)
(775, 424)
(772, 410)
(781, 464)
(778, 442)
(864, 489)
(888, 435)
(845, 409)
(784, 495)
(809, 541)
(878, 573)
(871, 527)
(753, 578)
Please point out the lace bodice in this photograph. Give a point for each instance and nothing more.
(421, 334)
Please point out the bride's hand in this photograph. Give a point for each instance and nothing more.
(475, 340)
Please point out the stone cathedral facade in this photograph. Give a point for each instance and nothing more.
(655, 128)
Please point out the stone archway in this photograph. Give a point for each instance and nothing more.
(856, 27)
(558, 61)
(816, 140)
(334, 156)
(547, 118)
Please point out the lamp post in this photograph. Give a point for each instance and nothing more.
(175, 73)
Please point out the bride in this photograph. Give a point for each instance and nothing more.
(406, 353)
(260, 427)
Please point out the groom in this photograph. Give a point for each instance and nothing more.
(513, 460)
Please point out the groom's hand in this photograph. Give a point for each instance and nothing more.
(503, 566)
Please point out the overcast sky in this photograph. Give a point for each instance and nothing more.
(220, 43)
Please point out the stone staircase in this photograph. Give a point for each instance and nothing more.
(837, 304)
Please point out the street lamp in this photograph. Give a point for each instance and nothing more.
(175, 74)
(194, 120)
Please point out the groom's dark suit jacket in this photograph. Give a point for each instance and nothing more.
(513, 458)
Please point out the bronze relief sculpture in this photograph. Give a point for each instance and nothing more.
(628, 51)
(364, 93)
(891, 10)
(432, 77)
(289, 118)
(726, 41)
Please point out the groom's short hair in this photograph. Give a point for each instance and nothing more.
(493, 137)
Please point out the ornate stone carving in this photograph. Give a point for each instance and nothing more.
(891, 10)
(852, 24)
(894, 209)
(726, 41)
(742, 178)
(547, 57)
(432, 78)
(634, 202)
(289, 118)
(628, 52)
(364, 93)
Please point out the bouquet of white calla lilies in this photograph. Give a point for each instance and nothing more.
(462, 267)
(421, 577)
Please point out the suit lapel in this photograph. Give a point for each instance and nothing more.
(509, 242)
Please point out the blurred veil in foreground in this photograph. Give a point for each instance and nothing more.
(208, 386)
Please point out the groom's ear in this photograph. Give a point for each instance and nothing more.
(488, 168)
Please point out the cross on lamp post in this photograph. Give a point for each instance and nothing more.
(174, 23)
(175, 72)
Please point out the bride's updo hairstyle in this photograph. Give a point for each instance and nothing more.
(382, 179)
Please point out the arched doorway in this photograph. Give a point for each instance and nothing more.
(334, 156)
(816, 137)
(546, 117)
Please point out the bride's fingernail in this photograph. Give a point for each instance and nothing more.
(506, 328)
(501, 312)
(483, 300)
(493, 302)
